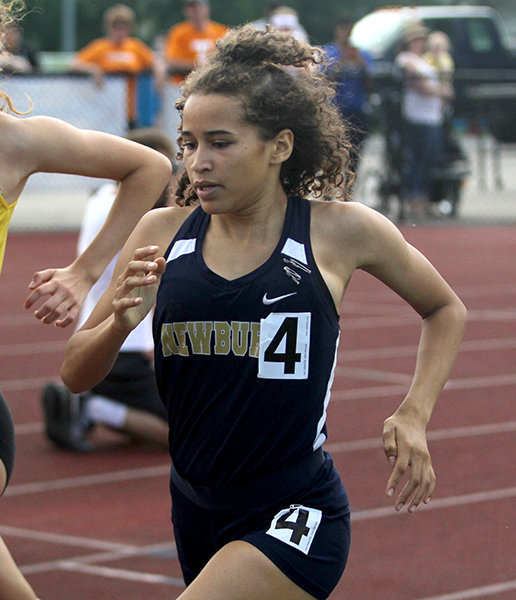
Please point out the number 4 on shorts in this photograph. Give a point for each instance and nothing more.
(296, 526)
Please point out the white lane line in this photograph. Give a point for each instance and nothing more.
(69, 540)
(100, 557)
(160, 470)
(108, 551)
(452, 384)
(105, 550)
(351, 308)
(346, 355)
(432, 435)
(23, 489)
(29, 428)
(373, 322)
(32, 348)
(36, 383)
(24, 385)
(382, 391)
(97, 557)
(384, 294)
(486, 290)
(374, 375)
(403, 351)
(437, 503)
(122, 574)
(478, 592)
(16, 319)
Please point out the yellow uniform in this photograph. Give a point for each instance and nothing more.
(6, 212)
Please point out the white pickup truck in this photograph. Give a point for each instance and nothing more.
(485, 64)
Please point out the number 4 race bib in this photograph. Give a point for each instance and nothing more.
(296, 526)
(284, 346)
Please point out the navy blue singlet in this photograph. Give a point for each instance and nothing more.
(245, 366)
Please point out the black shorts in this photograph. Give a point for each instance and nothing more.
(132, 382)
(306, 534)
(6, 438)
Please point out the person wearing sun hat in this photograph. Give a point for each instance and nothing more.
(422, 111)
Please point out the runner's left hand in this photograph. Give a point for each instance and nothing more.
(406, 450)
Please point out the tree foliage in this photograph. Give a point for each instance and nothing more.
(43, 21)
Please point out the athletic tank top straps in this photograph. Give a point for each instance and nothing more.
(245, 366)
(6, 212)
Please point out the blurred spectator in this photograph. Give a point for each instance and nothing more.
(438, 55)
(188, 43)
(118, 52)
(350, 69)
(127, 400)
(286, 19)
(422, 111)
(17, 57)
(270, 7)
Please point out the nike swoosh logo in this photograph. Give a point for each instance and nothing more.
(266, 300)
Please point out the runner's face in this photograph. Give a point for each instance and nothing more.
(229, 164)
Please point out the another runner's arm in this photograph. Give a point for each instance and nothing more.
(143, 173)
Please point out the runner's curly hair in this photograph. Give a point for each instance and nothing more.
(10, 12)
(277, 80)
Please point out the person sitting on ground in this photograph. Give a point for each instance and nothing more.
(127, 400)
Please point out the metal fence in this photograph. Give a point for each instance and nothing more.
(488, 191)
(53, 201)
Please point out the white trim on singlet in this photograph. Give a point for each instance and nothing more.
(295, 250)
(321, 437)
(180, 248)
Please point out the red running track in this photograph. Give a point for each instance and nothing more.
(97, 526)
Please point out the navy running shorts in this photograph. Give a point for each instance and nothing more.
(306, 534)
(6, 438)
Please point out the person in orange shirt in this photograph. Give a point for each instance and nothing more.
(118, 52)
(188, 43)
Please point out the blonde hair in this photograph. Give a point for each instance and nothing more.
(438, 39)
(10, 12)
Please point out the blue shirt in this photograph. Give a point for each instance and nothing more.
(351, 93)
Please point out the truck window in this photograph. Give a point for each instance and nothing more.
(479, 35)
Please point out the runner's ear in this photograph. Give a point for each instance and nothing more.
(283, 145)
